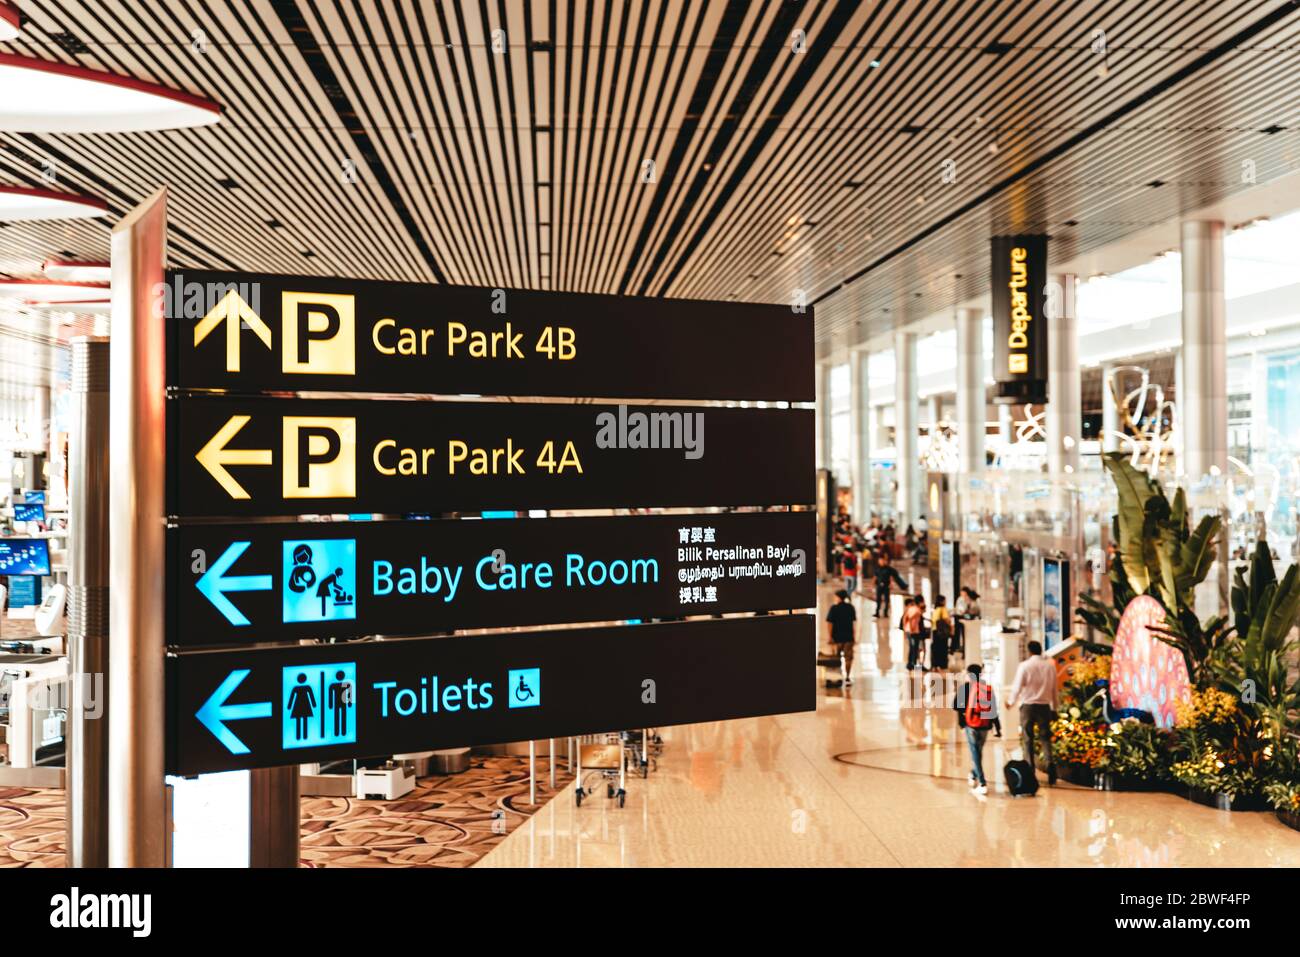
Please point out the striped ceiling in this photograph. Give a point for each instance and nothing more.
(866, 165)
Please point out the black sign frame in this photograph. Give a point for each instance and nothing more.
(1020, 322)
(421, 338)
(583, 681)
(241, 584)
(261, 446)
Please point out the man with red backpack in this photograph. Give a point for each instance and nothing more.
(977, 712)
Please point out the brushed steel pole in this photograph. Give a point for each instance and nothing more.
(137, 422)
(86, 788)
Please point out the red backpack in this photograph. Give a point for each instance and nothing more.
(979, 705)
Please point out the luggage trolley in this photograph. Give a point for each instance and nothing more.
(605, 758)
(643, 747)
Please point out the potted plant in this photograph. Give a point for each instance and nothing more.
(1237, 740)
(1220, 761)
(1079, 730)
(1283, 792)
(1139, 757)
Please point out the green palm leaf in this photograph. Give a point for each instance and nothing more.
(1135, 489)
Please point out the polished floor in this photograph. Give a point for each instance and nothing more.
(875, 777)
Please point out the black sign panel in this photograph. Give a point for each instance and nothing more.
(268, 707)
(234, 457)
(1019, 319)
(286, 582)
(249, 332)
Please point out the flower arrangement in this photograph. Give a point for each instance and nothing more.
(1078, 740)
(1207, 708)
(1090, 670)
(1223, 772)
(1236, 734)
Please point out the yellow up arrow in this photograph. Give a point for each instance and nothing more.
(232, 310)
(215, 456)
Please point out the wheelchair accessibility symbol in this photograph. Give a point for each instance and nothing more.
(525, 686)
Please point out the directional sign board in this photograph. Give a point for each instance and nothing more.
(249, 332)
(236, 457)
(285, 582)
(266, 707)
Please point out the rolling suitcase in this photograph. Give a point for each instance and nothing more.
(1021, 779)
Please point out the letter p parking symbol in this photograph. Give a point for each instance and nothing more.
(319, 333)
(320, 457)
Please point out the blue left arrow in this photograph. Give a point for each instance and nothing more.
(215, 712)
(214, 584)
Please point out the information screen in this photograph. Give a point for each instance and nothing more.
(29, 513)
(24, 556)
(34, 497)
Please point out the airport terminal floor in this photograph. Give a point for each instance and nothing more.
(874, 778)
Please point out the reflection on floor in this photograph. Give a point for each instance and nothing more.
(875, 777)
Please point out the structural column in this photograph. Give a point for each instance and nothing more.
(860, 434)
(971, 402)
(905, 423)
(1064, 386)
(41, 429)
(1202, 392)
(823, 423)
(1109, 413)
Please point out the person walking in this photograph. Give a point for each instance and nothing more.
(885, 575)
(966, 609)
(842, 628)
(850, 567)
(940, 634)
(1034, 690)
(977, 713)
(914, 630)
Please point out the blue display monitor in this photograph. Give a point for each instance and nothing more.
(34, 497)
(24, 556)
(29, 513)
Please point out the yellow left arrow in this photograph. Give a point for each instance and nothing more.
(235, 313)
(215, 456)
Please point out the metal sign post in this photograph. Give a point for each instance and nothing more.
(88, 581)
(136, 791)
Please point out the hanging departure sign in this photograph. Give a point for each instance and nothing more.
(250, 708)
(1019, 321)
(290, 581)
(254, 333)
(237, 457)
